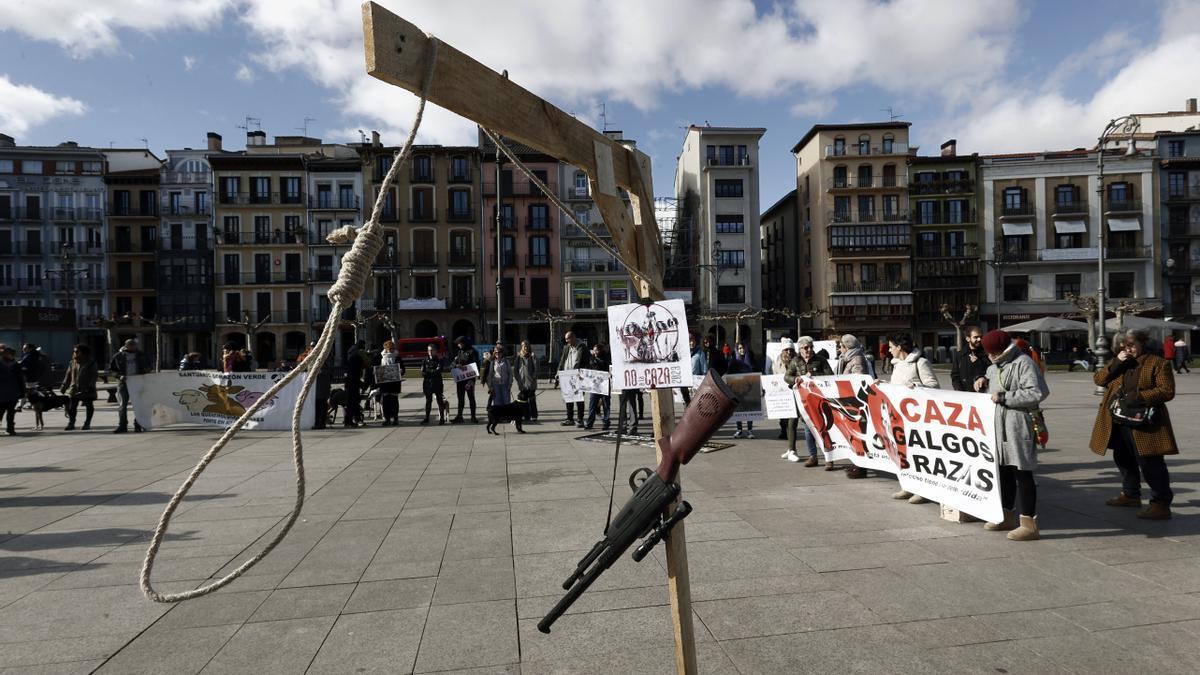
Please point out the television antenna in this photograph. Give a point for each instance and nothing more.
(256, 121)
(892, 115)
(603, 116)
(145, 143)
(304, 129)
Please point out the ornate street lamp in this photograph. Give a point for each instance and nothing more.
(1122, 126)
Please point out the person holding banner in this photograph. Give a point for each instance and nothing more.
(779, 367)
(1137, 381)
(431, 384)
(574, 357)
(806, 363)
(356, 364)
(128, 361)
(599, 402)
(743, 362)
(465, 389)
(911, 369)
(390, 391)
(1017, 388)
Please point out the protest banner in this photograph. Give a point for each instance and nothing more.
(778, 398)
(748, 389)
(469, 371)
(649, 345)
(386, 374)
(570, 385)
(214, 398)
(941, 444)
(593, 381)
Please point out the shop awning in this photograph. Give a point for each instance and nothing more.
(1017, 229)
(1070, 226)
(1124, 224)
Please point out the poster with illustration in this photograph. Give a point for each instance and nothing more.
(748, 389)
(214, 398)
(649, 345)
(469, 371)
(593, 381)
(386, 374)
(571, 386)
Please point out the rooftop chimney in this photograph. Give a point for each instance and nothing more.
(950, 148)
(1190, 105)
(7, 141)
(214, 141)
(375, 142)
(257, 137)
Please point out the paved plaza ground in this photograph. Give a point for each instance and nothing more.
(438, 548)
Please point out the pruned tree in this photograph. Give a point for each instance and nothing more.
(968, 312)
(1086, 309)
(553, 322)
(1131, 307)
(748, 313)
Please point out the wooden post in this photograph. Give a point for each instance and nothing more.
(397, 52)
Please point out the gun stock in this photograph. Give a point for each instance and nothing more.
(711, 407)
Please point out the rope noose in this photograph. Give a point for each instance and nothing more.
(352, 278)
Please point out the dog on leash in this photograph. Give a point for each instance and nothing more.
(508, 412)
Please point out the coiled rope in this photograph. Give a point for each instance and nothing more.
(356, 268)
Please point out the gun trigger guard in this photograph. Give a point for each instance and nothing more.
(638, 477)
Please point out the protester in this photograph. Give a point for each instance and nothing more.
(806, 363)
(787, 351)
(356, 364)
(322, 387)
(970, 364)
(12, 388)
(465, 389)
(432, 385)
(500, 377)
(233, 360)
(630, 400)
(884, 360)
(1017, 388)
(574, 356)
(525, 372)
(191, 361)
(390, 391)
(1137, 380)
(699, 366)
(126, 362)
(911, 369)
(1182, 353)
(34, 366)
(1168, 349)
(599, 403)
(742, 362)
(852, 360)
(485, 371)
(79, 386)
(714, 360)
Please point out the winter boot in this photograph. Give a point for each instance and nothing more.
(1009, 523)
(1028, 531)
(1124, 500)
(1156, 511)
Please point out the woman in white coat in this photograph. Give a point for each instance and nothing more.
(911, 369)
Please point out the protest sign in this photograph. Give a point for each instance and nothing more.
(570, 385)
(593, 381)
(940, 443)
(748, 389)
(214, 398)
(830, 349)
(466, 372)
(778, 398)
(650, 345)
(386, 374)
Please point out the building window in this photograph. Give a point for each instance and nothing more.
(6, 166)
(864, 145)
(1014, 199)
(845, 274)
(260, 190)
(955, 211)
(839, 146)
(1177, 184)
(868, 274)
(1072, 240)
(539, 217)
(731, 259)
(1016, 288)
(1066, 284)
(929, 244)
(383, 164)
(731, 294)
(1119, 193)
(1121, 284)
(424, 286)
(1066, 195)
(539, 251)
(840, 179)
(926, 212)
(64, 167)
(865, 176)
(891, 206)
(460, 169)
(866, 208)
(93, 168)
(956, 243)
(31, 166)
(581, 183)
(422, 168)
(460, 204)
(731, 223)
(581, 295)
(1174, 148)
(728, 188)
(726, 155)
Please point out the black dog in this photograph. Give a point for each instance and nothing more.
(508, 412)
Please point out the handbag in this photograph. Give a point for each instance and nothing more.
(1131, 414)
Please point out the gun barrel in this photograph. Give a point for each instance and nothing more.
(585, 562)
(577, 590)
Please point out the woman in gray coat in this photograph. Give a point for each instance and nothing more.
(1017, 388)
(525, 377)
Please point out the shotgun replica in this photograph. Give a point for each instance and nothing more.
(644, 515)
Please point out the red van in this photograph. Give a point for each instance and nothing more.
(412, 350)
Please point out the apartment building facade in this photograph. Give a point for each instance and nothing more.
(1179, 221)
(185, 253)
(946, 252)
(852, 184)
(334, 199)
(52, 232)
(528, 262)
(261, 252)
(132, 178)
(427, 278)
(717, 187)
(1041, 215)
(786, 261)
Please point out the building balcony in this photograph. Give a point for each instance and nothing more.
(132, 210)
(186, 177)
(22, 213)
(119, 283)
(523, 302)
(460, 216)
(260, 198)
(422, 215)
(727, 161)
(186, 209)
(537, 260)
(272, 277)
(509, 260)
(878, 286)
(967, 251)
(1015, 255)
(1185, 229)
(967, 216)
(423, 258)
(592, 266)
(962, 186)
(184, 282)
(275, 237)
(1181, 193)
(576, 193)
(1069, 209)
(202, 245)
(1017, 212)
(82, 248)
(867, 217)
(946, 273)
(333, 202)
(389, 214)
(1122, 206)
(267, 317)
(460, 176)
(850, 240)
(421, 175)
(461, 259)
(890, 315)
(53, 285)
(520, 189)
(856, 150)
(571, 231)
(119, 245)
(873, 182)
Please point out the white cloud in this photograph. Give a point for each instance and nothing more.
(189, 62)
(817, 105)
(87, 27)
(244, 74)
(23, 107)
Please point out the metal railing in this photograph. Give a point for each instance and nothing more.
(851, 182)
(186, 209)
(462, 258)
(22, 213)
(853, 216)
(1018, 211)
(422, 215)
(260, 198)
(132, 210)
(521, 189)
(239, 278)
(877, 286)
(1183, 229)
(509, 260)
(333, 201)
(942, 186)
(457, 216)
(120, 245)
(1180, 192)
(182, 244)
(19, 284)
(185, 177)
(453, 176)
(943, 216)
(77, 247)
(259, 237)
(537, 259)
(423, 258)
(727, 161)
(276, 316)
(594, 266)
(856, 150)
(1122, 206)
(969, 251)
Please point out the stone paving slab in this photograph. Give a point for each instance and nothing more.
(437, 549)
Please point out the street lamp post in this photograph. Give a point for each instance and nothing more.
(1127, 125)
(68, 273)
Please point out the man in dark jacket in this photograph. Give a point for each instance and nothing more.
(356, 365)
(575, 356)
(12, 387)
(465, 389)
(970, 364)
(34, 365)
(128, 361)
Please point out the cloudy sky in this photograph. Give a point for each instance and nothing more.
(998, 75)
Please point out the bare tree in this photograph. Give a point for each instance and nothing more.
(553, 323)
(748, 313)
(961, 323)
(1086, 309)
(1127, 307)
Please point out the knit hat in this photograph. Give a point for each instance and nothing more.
(786, 343)
(996, 341)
